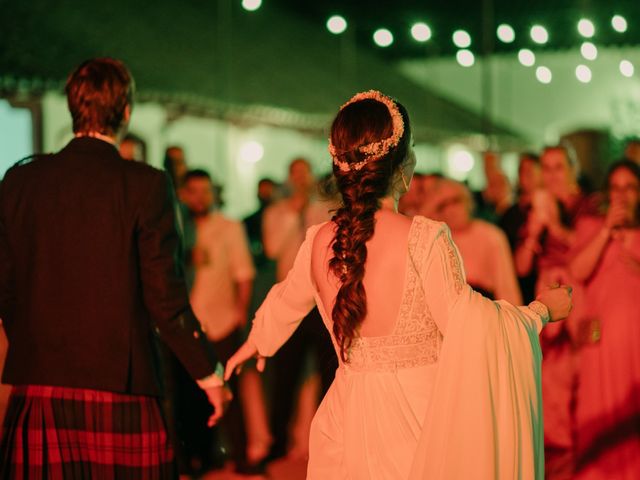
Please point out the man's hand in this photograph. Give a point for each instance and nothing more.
(219, 398)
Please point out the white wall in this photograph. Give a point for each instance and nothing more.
(216, 146)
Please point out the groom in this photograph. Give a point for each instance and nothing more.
(88, 277)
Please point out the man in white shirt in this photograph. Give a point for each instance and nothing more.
(284, 226)
(222, 285)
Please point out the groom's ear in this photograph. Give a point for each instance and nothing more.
(127, 114)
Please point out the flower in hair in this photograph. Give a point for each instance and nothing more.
(377, 149)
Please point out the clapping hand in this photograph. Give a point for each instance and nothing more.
(246, 352)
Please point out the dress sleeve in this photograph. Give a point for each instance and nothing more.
(486, 405)
(287, 303)
(447, 291)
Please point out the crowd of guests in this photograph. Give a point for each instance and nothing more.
(514, 241)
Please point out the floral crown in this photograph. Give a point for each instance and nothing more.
(373, 150)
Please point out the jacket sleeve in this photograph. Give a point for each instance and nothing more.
(163, 285)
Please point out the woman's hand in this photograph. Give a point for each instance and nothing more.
(535, 225)
(246, 352)
(617, 216)
(558, 301)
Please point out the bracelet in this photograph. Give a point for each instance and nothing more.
(542, 310)
(216, 379)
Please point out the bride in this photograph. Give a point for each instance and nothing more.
(435, 381)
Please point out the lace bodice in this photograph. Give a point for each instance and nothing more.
(416, 340)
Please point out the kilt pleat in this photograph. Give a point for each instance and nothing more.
(71, 433)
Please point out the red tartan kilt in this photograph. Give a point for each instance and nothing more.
(60, 432)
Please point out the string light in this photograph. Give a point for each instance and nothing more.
(626, 68)
(465, 58)
(583, 73)
(336, 24)
(543, 74)
(421, 32)
(383, 37)
(251, 5)
(589, 51)
(506, 33)
(619, 23)
(461, 39)
(526, 57)
(539, 34)
(586, 28)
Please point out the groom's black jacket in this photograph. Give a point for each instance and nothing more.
(88, 271)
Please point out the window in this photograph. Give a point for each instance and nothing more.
(16, 134)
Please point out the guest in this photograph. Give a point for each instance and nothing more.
(133, 148)
(220, 295)
(430, 183)
(632, 151)
(259, 437)
(421, 196)
(88, 272)
(253, 223)
(514, 219)
(284, 226)
(484, 247)
(411, 202)
(175, 164)
(547, 238)
(607, 260)
(497, 195)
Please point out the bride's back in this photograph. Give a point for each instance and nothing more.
(385, 272)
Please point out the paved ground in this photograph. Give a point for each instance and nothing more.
(280, 470)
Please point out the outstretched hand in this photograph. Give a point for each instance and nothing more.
(246, 352)
(557, 298)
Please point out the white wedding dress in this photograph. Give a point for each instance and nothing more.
(452, 393)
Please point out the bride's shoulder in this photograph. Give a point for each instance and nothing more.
(322, 233)
(429, 225)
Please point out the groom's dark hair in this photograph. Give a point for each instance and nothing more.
(98, 92)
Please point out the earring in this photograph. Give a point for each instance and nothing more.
(404, 182)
